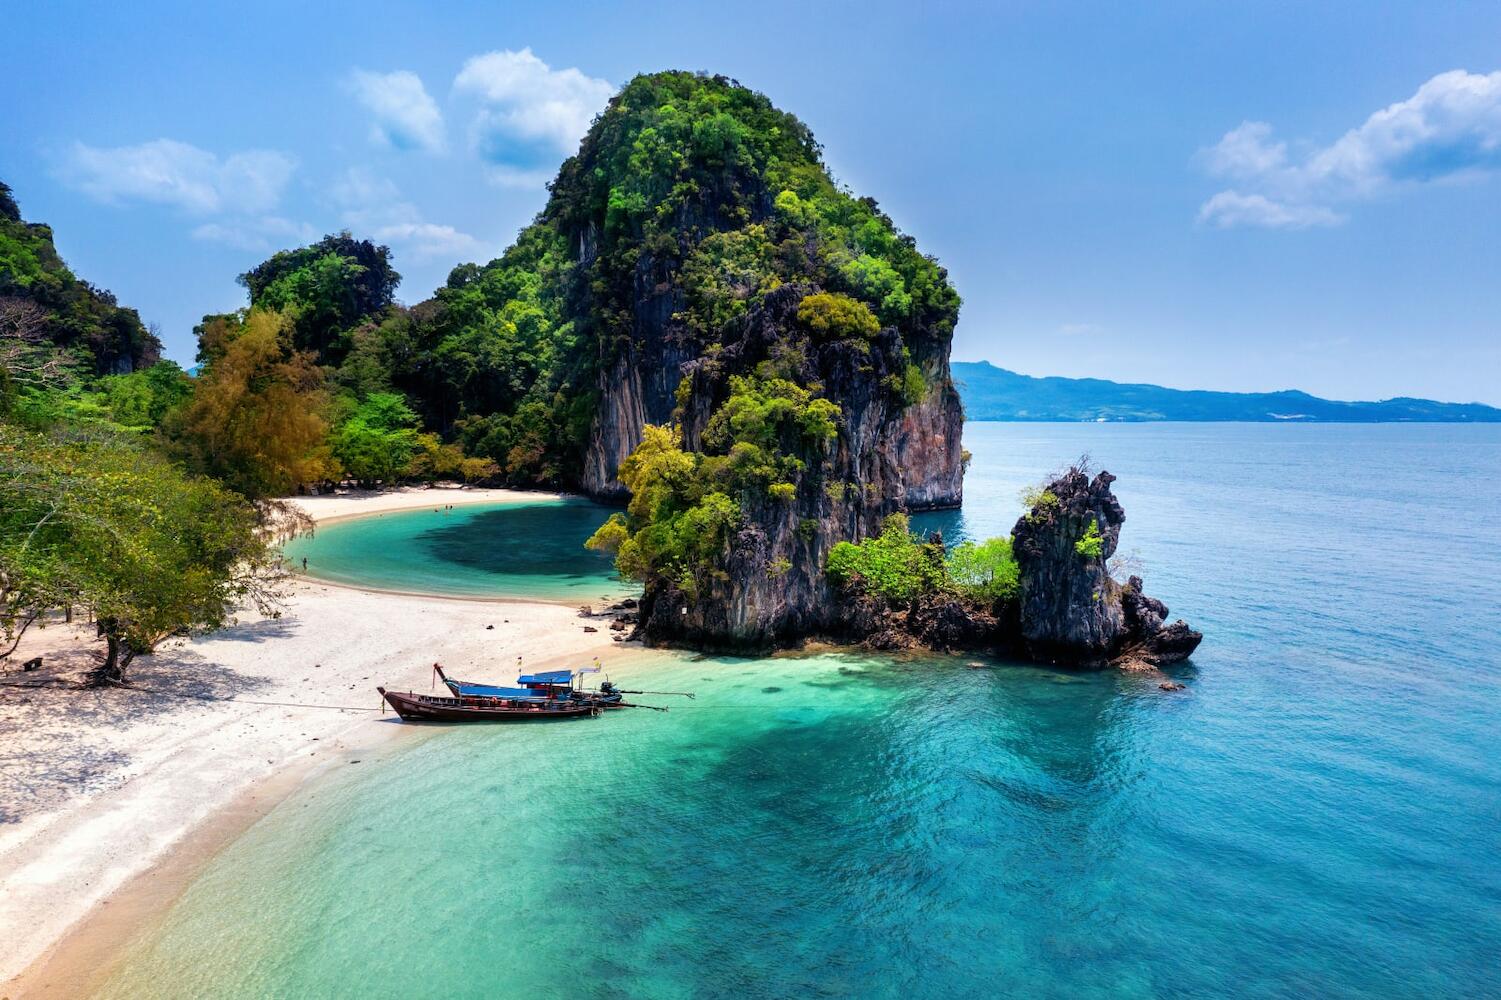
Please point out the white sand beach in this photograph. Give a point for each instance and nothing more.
(103, 791)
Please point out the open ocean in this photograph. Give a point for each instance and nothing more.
(1317, 815)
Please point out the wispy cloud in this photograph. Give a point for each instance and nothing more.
(1080, 329)
(263, 233)
(1231, 208)
(168, 172)
(530, 114)
(373, 206)
(1450, 129)
(406, 116)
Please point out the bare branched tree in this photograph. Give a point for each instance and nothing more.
(1123, 565)
(25, 354)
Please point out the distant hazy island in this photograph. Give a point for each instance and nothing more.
(992, 393)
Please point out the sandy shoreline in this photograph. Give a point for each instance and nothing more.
(111, 801)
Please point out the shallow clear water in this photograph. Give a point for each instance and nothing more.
(1319, 814)
(532, 548)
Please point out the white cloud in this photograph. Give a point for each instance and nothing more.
(372, 207)
(1080, 329)
(406, 117)
(358, 188)
(1231, 208)
(264, 233)
(1450, 129)
(169, 172)
(427, 239)
(515, 177)
(530, 113)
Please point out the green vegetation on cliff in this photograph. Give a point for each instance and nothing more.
(700, 185)
(900, 567)
(101, 336)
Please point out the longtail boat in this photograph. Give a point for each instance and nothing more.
(551, 684)
(434, 708)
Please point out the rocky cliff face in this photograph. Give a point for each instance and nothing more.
(920, 463)
(1070, 610)
(890, 454)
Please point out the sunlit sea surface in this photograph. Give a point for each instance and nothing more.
(1317, 815)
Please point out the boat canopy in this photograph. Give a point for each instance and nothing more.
(548, 677)
(489, 691)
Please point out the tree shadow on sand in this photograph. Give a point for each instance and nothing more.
(59, 735)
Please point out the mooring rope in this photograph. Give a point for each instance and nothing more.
(250, 701)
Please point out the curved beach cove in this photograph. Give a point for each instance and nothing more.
(530, 549)
(1315, 815)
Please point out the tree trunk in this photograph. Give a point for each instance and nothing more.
(117, 653)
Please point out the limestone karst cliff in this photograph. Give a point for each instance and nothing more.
(793, 343)
(888, 453)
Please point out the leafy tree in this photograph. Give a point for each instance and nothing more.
(94, 519)
(895, 564)
(770, 412)
(328, 288)
(836, 316)
(378, 441)
(1091, 544)
(677, 525)
(256, 417)
(142, 399)
(901, 568)
(985, 571)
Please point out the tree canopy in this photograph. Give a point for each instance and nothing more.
(327, 288)
(94, 520)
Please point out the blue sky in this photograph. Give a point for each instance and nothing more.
(1246, 197)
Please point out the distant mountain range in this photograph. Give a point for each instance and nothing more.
(992, 393)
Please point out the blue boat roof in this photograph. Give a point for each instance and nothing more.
(547, 677)
(490, 691)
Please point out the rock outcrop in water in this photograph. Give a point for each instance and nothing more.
(1069, 610)
(1064, 609)
(794, 343)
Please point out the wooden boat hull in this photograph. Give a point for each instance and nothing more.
(428, 708)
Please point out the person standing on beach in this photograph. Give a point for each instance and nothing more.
(304, 564)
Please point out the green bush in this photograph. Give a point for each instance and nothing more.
(986, 571)
(835, 316)
(895, 564)
(1091, 544)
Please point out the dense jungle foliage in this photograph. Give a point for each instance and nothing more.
(701, 184)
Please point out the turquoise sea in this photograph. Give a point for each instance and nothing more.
(1317, 815)
(516, 549)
